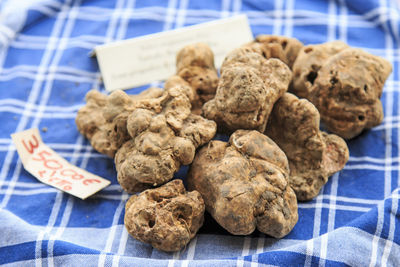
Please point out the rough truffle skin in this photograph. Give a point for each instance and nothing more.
(176, 80)
(195, 64)
(244, 184)
(150, 135)
(313, 155)
(167, 217)
(164, 135)
(103, 119)
(247, 90)
(347, 91)
(281, 47)
(309, 61)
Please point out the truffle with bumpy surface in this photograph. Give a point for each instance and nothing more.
(167, 217)
(247, 90)
(308, 62)
(272, 46)
(195, 65)
(313, 155)
(347, 91)
(164, 135)
(103, 119)
(244, 184)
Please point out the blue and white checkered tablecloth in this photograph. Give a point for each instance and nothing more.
(45, 73)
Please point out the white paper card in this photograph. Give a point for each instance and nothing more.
(139, 61)
(49, 168)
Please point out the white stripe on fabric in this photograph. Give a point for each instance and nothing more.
(392, 228)
(302, 17)
(125, 19)
(225, 6)
(331, 219)
(245, 251)
(64, 222)
(343, 21)
(33, 96)
(259, 250)
(370, 167)
(335, 178)
(375, 160)
(351, 200)
(331, 35)
(121, 247)
(16, 192)
(181, 14)
(289, 17)
(316, 227)
(319, 205)
(67, 155)
(22, 104)
(190, 253)
(175, 256)
(110, 36)
(50, 223)
(56, 59)
(102, 13)
(395, 202)
(51, 70)
(68, 209)
(54, 115)
(25, 38)
(52, 190)
(4, 48)
(277, 17)
(25, 185)
(387, 126)
(170, 15)
(45, 10)
(117, 196)
(395, 27)
(41, 77)
(71, 16)
(130, 7)
(388, 146)
(113, 229)
(236, 6)
(346, 249)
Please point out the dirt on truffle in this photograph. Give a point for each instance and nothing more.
(244, 184)
(195, 65)
(167, 217)
(247, 90)
(103, 119)
(164, 135)
(281, 47)
(309, 61)
(151, 134)
(347, 91)
(313, 155)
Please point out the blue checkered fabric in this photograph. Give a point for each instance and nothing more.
(45, 73)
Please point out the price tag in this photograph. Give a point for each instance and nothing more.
(49, 168)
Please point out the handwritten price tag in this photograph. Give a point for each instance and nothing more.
(49, 168)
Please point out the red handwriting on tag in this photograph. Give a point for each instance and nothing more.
(48, 167)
